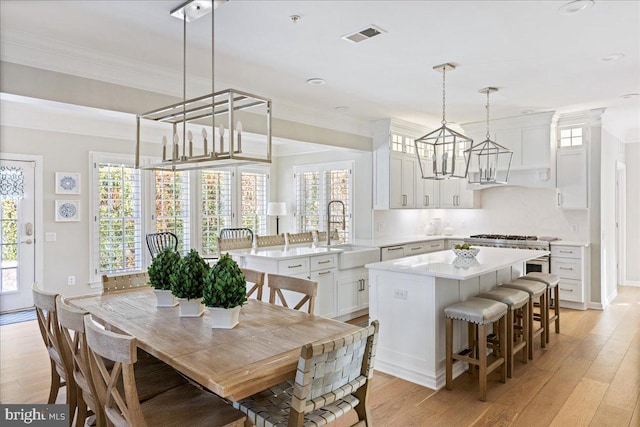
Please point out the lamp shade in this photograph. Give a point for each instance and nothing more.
(277, 209)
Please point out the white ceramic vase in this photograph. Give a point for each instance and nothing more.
(191, 307)
(165, 298)
(224, 318)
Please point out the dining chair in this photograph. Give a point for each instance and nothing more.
(255, 277)
(61, 362)
(123, 282)
(224, 245)
(234, 233)
(296, 238)
(158, 241)
(332, 379)
(278, 283)
(270, 240)
(153, 376)
(185, 405)
(322, 235)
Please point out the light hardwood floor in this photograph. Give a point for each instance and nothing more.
(588, 375)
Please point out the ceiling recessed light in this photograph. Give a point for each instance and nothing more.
(630, 95)
(613, 57)
(575, 6)
(316, 81)
(342, 108)
(295, 19)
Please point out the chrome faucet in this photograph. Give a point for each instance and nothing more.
(329, 222)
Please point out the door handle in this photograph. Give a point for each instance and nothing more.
(426, 200)
(404, 200)
(28, 229)
(559, 199)
(28, 241)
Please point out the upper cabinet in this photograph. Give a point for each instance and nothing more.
(571, 178)
(398, 182)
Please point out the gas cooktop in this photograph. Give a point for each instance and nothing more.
(503, 237)
(511, 241)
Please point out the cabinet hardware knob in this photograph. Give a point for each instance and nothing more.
(567, 290)
(324, 262)
(294, 266)
(565, 268)
(322, 273)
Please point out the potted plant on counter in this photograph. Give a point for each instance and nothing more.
(159, 276)
(225, 290)
(187, 283)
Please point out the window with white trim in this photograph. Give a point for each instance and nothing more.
(117, 218)
(316, 186)
(172, 206)
(402, 144)
(253, 200)
(216, 195)
(571, 137)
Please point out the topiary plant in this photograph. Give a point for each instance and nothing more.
(225, 286)
(161, 268)
(187, 279)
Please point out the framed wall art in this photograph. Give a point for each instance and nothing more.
(67, 183)
(67, 210)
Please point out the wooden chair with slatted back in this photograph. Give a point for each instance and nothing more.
(124, 282)
(332, 378)
(278, 283)
(297, 238)
(270, 240)
(61, 360)
(224, 245)
(158, 241)
(185, 405)
(255, 277)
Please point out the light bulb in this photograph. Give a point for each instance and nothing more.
(221, 130)
(189, 135)
(204, 133)
(164, 141)
(176, 138)
(239, 127)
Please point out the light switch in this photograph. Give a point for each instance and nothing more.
(50, 237)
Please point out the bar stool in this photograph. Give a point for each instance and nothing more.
(551, 280)
(536, 291)
(517, 318)
(478, 313)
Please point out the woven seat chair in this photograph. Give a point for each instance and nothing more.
(297, 238)
(158, 241)
(124, 282)
(185, 405)
(322, 235)
(278, 283)
(332, 378)
(235, 233)
(270, 240)
(61, 361)
(255, 277)
(224, 245)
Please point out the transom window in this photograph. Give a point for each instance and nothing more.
(571, 137)
(402, 144)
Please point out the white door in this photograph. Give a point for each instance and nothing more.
(17, 215)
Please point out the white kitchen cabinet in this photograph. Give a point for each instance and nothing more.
(410, 249)
(428, 193)
(391, 252)
(451, 243)
(402, 181)
(352, 290)
(455, 195)
(571, 178)
(325, 300)
(571, 265)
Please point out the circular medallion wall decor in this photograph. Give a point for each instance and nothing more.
(67, 210)
(67, 183)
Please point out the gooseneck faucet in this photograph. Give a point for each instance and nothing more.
(329, 222)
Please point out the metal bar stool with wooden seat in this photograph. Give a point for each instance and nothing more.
(478, 313)
(297, 238)
(270, 240)
(255, 277)
(517, 321)
(185, 405)
(332, 378)
(537, 291)
(551, 280)
(158, 241)
(278, 283)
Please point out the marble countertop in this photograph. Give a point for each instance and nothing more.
(285, 252)
(445, 264)
(405, 240)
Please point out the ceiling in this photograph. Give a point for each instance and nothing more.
(540, 59)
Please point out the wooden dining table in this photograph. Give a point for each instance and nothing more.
(260, 352)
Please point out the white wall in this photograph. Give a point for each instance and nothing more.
(362, 191)
(632, 160)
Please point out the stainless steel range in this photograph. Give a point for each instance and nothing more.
(517, 242)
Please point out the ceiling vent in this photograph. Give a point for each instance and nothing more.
(364, 34)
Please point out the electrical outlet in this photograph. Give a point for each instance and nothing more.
(400, 293)
(71, 280)
(574, 227)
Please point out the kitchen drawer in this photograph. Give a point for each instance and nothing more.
(293, 266)
(566, 268)
(570, 290)
(415, 249)
(566, 252)
(323, 262)
(434, 246)
(392, 252)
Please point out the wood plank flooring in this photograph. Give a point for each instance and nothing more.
(589, 375)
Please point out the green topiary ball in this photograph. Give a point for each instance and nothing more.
(187, 280)
(161, 268)
(225, 286)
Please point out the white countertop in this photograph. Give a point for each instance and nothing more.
(569, 243)
(285, 252)
(405, 239)
(445, 264)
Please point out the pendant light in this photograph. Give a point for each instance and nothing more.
(190, 117)
(440, 151)
(488, 162)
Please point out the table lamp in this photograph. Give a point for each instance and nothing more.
(277, 209)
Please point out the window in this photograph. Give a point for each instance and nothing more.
(316, 186)
(118, 218)
(253, 200)
(216, 213)
(571, 137)
(9, 244)
(172, 211)
(402, 144)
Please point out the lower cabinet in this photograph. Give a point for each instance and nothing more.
(352, 290)
(571, 265)
(326, 292)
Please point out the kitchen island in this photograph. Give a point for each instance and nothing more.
(408, 297)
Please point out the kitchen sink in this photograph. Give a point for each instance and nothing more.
(356, 256)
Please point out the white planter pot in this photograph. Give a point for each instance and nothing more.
(191, 307)
(224, 318)
(165, 298)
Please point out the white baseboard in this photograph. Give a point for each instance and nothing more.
(631, 283)
(594, 306)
